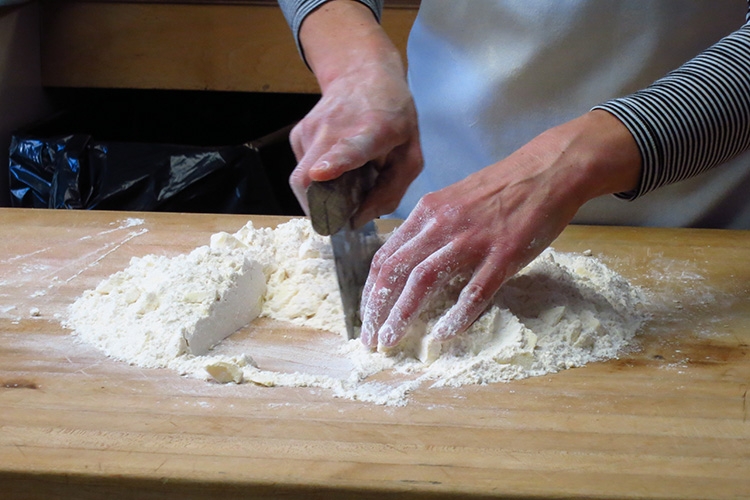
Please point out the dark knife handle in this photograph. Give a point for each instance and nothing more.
(333, 203)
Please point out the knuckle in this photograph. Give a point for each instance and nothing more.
(476, 295)
(428, 203)
(388, 205)
(394, 271)
(423, 275)
(297, 178)
(416, 166)
(297, 134)
(378, 260)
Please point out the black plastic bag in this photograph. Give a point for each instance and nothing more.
(80, 170)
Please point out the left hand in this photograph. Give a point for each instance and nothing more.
(491, 224)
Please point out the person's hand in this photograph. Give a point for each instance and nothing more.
(362, 116)
(491, 224)
(366, 112)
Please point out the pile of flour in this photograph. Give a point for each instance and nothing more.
(561, 311)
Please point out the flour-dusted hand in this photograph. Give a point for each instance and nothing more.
(366, 112)
(484, 227)
(491, 224)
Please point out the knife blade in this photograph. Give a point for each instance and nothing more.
(332, 205)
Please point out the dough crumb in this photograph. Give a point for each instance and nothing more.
(559, 312)
(224, 372)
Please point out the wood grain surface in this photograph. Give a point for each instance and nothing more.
(188, 46)
(667, 420)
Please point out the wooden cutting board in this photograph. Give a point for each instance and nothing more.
(668, 420)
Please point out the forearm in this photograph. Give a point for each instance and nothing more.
(695, 118)
(343, 37)
(296, 11)
(577, 161)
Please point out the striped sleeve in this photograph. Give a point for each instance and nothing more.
(693, 119)
(295, 12)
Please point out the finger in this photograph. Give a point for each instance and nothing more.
(375, 313)
(398, 240)
(346, 154)
(322, 162)
(385, 291)
(295, 141)
(383, 288)
(308, 154)
(472, 302)
(313, 159)
(299, 181)
(308, 149)
(427, 278)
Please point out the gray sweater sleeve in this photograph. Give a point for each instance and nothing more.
(295, 12)
(695, 118)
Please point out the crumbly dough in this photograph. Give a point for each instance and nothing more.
(561, 311)
(224, 372)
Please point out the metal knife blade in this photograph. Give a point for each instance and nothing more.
(332, 205)
(353, 250)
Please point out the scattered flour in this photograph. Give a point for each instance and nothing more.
(561, 311)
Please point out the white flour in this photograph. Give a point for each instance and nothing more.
(559, 312)
(161, 311)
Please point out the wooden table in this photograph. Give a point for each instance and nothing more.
(669, 420)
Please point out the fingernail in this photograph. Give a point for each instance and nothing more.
(441, 331)
(387, 336)
(365, 334)
(323, 166)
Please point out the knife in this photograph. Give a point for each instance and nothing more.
(332, 205)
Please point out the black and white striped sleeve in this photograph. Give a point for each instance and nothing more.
(295, 11)
(693, 119)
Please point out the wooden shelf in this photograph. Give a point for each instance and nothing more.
(227, 46)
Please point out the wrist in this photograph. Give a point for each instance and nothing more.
(599, 154)
(343, 37)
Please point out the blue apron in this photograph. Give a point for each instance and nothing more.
(489, 75)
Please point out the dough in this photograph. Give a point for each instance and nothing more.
(561, 311)
(160, 308)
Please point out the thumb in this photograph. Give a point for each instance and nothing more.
(346, 154)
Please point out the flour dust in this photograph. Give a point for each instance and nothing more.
(561, 311)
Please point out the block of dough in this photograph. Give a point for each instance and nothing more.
(232, 303)
(159, 308)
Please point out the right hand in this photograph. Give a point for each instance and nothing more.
(492, 223)
(366, 113)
